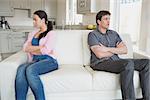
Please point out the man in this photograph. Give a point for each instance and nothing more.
(105, 46)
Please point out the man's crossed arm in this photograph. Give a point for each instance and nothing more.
(102, 51)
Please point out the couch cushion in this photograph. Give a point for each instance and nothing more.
(86, 52)
(69, 46)
(67, 78)
(109, 81)
(127, 40)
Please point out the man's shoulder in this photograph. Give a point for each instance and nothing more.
(111, 31)
(94, 32)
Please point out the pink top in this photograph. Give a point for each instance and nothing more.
(47, 41)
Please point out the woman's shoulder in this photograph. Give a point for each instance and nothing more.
(51, 34)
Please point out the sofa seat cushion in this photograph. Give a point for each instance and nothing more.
(109, 81)
(67, 78)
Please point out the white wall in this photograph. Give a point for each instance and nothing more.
(130, 15)
(148, 45)
(145, 25)
(115, 14)
(89, 19)
(61, 12)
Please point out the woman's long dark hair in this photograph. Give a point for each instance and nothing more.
(42, 14)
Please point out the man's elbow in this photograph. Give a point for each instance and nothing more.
(125, 51)
(99, 55)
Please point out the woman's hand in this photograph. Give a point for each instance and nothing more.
(37, 52)
(30, 48)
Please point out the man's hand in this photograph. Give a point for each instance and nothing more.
(120, 49)
(118, 45)
(101, 51)
(103, 48)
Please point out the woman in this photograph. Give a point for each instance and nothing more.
(40, 49)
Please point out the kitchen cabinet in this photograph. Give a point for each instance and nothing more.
(21, 4)
(91, 6)
(36, 5)
(6, 8)
(4, 42)
(83, 6)
(17, 40)
(50, 6)
(11, 41)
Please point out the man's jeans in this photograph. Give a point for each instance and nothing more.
(28, 76)
(126, 69)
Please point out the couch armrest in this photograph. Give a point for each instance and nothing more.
(17, 58)
(8, 68)
(140, 55)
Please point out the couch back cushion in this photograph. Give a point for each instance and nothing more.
(68, 46)
(86, 52)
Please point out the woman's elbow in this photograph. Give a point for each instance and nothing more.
(25, 49)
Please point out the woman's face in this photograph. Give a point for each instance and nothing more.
(37, 21)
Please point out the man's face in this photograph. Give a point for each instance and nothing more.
(105, 21)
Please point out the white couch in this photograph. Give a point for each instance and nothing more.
(74, 80)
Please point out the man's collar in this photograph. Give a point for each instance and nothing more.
(97, 28)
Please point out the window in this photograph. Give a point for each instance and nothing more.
(129, 21)
(72, 18)
(128, 1)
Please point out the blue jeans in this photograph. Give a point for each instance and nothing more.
(28, 76)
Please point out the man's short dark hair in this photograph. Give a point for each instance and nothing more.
(100, 14)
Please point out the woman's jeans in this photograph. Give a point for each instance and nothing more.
(28, 76)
